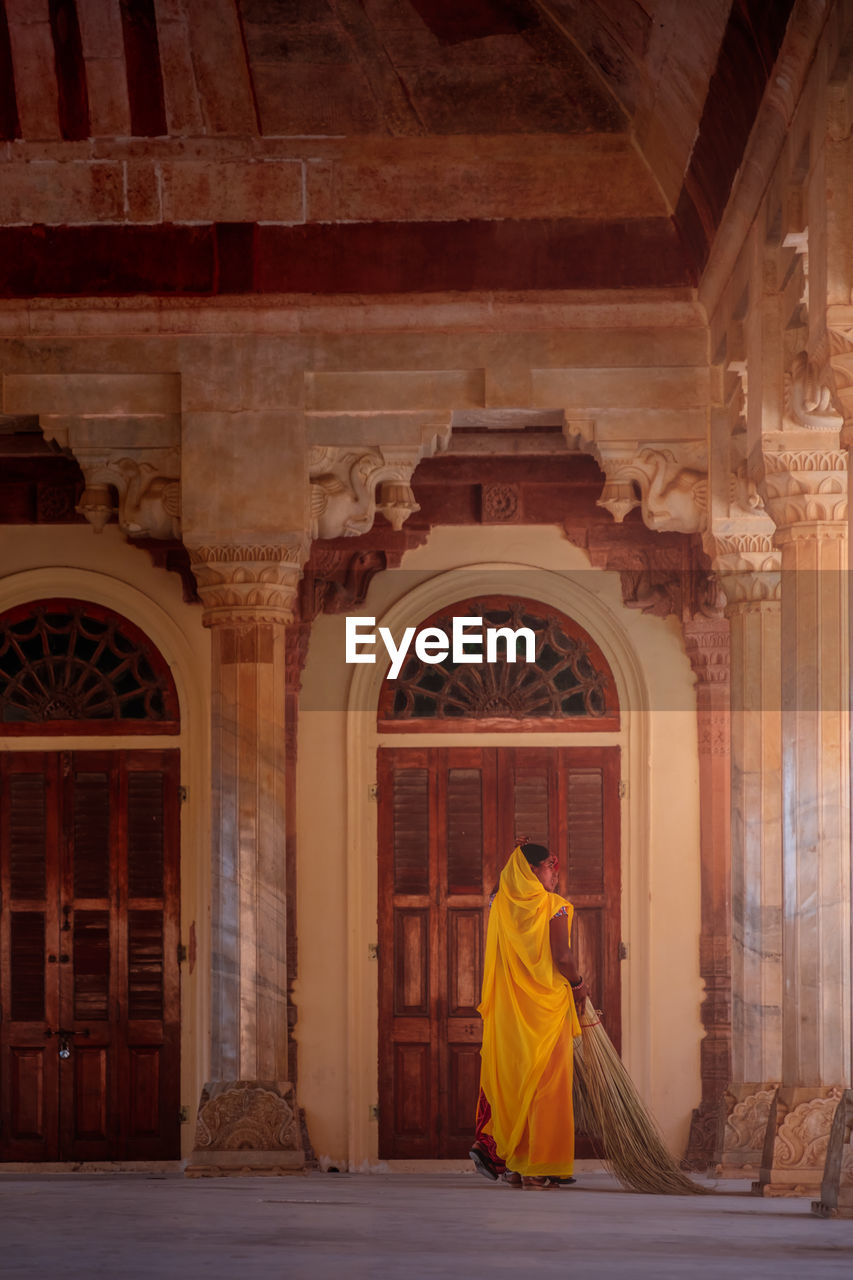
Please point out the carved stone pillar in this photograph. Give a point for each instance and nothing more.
(806, 495)
(248, 1120)
(707, 643)
(752, 587)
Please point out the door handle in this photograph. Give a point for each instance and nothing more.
(66, 912)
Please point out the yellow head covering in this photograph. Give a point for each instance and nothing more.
(526, 1000)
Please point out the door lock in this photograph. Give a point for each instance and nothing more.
(64, 1037)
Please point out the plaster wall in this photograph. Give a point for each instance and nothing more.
(73, 561)
(336, 991)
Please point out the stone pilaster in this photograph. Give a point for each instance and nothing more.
(248, 1119)
(749, 574)
(707, 643)
(805, 490)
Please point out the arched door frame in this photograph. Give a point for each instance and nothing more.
(192, 741)
(563, 592)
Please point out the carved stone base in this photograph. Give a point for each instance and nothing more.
(746, 1115)
(795, 1147)
(705, 1138)
(836, 1189)
(247, 1127)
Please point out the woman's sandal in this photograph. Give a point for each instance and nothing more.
(511, 1178)
(483, 1163)
(535, 1183)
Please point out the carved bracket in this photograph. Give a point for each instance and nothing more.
(348, 486)
(672, 495)
(132, 468)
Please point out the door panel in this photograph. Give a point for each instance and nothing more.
(88, 956)
(29, 955)
(448, 818)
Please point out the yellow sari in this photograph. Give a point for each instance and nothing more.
(529, 1025)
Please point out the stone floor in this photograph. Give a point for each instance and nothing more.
(373, 1226)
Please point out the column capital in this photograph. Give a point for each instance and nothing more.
(840, 340)
(250, 583)
(748, 566)
(805, 488)
(707, 641)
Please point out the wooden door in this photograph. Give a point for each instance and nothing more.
(89, 979)
(448, 819)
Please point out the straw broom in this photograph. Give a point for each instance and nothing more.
(609, 1109)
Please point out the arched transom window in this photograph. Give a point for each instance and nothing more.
(67, 666)
(569, 686)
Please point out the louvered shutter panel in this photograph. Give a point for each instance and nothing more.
(145, 834)
(530, 805)
(27, 965)
(464, 831)
(27, 835)
(91, 829)
(411, 830)
(586, 831)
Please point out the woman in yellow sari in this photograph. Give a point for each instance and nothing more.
(531, 991)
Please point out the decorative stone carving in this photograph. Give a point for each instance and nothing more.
(704, 1140)
(500, 503)
(132, 468)
(239, 583)
(797, 1140)
(747, 1113)
(249, 1127)
(673, 496)
(803, 1135)
(345, 483)
(840, 339)
(149, 504)
(707, 644)
(748, 567)
(397, 503)
(618, 497)
(96, 505)
(808, 398)
(337, 580)
(805, 486)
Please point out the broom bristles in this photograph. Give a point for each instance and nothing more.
(609, 1109)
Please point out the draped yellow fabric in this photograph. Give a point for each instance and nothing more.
(529, 1024)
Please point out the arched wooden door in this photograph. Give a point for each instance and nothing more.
(89, 894)
(448, 819)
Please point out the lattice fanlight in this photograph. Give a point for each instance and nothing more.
(65, 662)
(570, 682)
